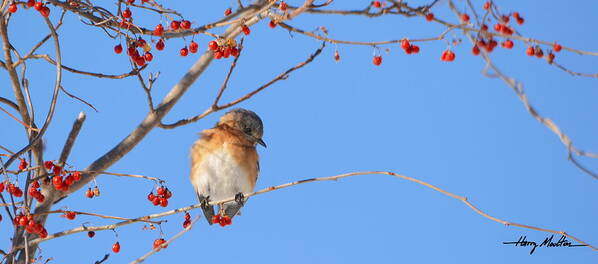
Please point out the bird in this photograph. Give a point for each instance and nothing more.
(225, 162)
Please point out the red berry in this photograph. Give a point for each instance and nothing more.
(23, 221)
(505, 19)
(487, 5)
(498, 27)
(484, 27)
(69, 180)
(30, 3)
(1, 187)
(187, 216)
(213, 45)
(23, 164)
(465, 17)
(377, 4)
(272, 24)
(516, 15)
(193, 46)
(225, 220)
(430, 17)
(475, 50)
(414, 49)
(337, 56)
(217, 55)
(508, 44)
(234, 51)
(116, 247)
(405, 44)
(127, 13)
(70, 215)
(377, 60)
(89, 193)
(215, 219)
(38, 6)
(520, 20)
(130, 1)
(77, 174)
(159, 244)
(228, 11)
(48, 164)
(226, 52)
(17, 192)
(550, 58)
(161, 190)
(160, 45)
(158, 30)
(57, 170)
(174, 25)
(148, 56)
(538, 52)
(185, 24)
(57, 180)
(151, 196)
(283, 6)
(447, 55)
(186, 223)
(91, 234)
(163, 202)
(140, 60)
(246, 30)
(118, 49)
(167, 193)
(12, 8)
(40, 198)
(34, 184)
(156, 200)
(556, 47)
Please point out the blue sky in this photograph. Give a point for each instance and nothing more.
(443, 123)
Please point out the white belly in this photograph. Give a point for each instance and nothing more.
(220, 177)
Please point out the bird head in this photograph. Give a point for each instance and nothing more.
(245, 121)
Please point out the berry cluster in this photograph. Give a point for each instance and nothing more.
(35, 192)
(408, 47)
(161, 197)
(60, 183)
(30, 225)
(159, 244)
(92, 193)
(224, 48)
(11, 189)
(39, 6)
(134, 53)
(222, 220)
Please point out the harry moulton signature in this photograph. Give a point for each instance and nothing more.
(562, 242)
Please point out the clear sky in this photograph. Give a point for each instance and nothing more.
(443, 123)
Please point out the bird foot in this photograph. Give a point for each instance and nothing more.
(240, 198)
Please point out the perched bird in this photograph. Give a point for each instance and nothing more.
(225, 163)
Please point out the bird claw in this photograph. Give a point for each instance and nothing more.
(205, 202)
(240, 198)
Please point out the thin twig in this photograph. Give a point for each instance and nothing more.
(19, 121)
(213, 109)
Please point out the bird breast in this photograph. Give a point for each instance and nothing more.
(219, 175)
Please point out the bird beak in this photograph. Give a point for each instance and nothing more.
(261, 142)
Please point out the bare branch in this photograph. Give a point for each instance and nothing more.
(70, 140)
